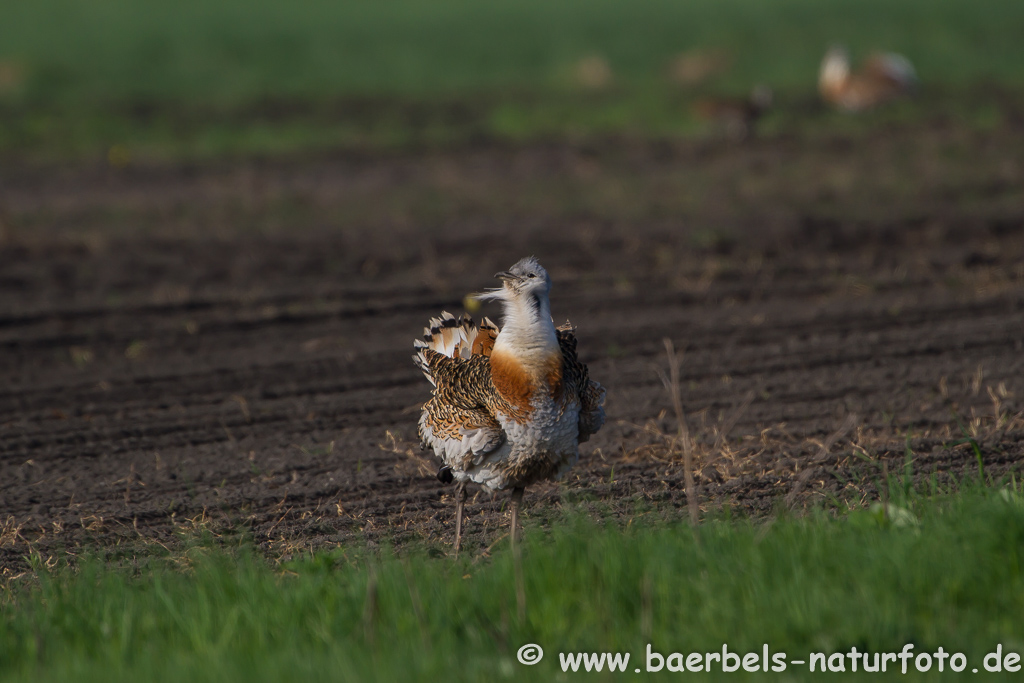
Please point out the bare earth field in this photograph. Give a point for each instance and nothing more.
(226, 347)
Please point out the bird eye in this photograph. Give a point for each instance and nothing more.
(532, 275)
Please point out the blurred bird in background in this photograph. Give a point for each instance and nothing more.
(883, 77)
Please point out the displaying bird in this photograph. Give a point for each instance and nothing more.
(511, 406)
(882, 77)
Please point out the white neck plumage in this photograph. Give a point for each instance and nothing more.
(527, 332)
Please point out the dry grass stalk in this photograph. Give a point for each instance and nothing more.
(412, 463)
(685, 444)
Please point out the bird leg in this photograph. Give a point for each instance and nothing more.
(517, 498)
(460, 502)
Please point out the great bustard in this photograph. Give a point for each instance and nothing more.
(883, 76)
(509, 407)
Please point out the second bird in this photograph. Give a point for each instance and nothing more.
(883, 77)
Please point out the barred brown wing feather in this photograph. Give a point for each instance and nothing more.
(577, 378)
(455, 422)
(460, 437)
(591, 409)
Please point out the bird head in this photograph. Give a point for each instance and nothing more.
(526, 280)
(527, 330)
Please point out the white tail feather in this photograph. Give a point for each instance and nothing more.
(450, 337)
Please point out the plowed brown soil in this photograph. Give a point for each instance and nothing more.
(227, 346)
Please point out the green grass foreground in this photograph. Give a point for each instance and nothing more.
(944, 571)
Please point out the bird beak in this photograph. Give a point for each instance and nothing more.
(505, 275)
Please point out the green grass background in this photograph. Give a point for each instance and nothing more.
(193, 78)
(231, 51)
